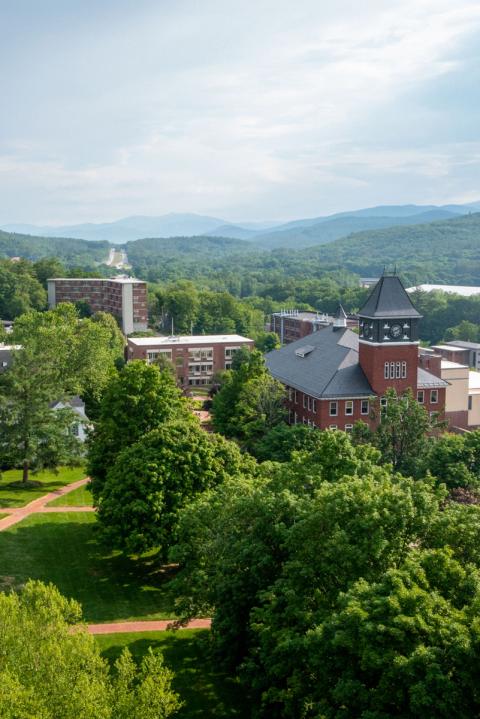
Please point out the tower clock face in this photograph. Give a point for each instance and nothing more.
(396, 331)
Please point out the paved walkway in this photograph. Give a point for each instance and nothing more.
(16, 514)
(147, 626)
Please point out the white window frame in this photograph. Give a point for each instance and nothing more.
(386, 370)
(398, 370)
(364, 401)
(404, 370)
(349, 407)
(383, 402)
(333, 426)
(421, 393)
(332, 404)
(348, 427)
(304, 401)
(434, 393)
(470, 402)
(314, 405)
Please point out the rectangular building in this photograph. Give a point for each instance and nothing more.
(123, 297)
(196, 358)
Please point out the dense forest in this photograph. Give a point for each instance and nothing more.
(68, 250)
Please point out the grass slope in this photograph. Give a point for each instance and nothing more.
(64, 548)
(19, 497)
(205, 691)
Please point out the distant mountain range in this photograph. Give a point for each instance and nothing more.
(296, 234)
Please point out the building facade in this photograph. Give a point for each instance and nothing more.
(124, 298)
(291, 325)
(467, 353)
(196, 359)
(335, 376)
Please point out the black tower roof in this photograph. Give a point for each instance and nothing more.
(389, 299)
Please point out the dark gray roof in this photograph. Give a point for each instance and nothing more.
(388, 299)
(464, 345)
(428, 380)
(330, 370)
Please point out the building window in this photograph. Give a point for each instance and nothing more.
(386, 371)
(470, 401)
(383, 402)
(348, 427)
(295, 418)
(309, 404)
(314, 405)
(365, 406)
(392, 370)
(397, 370)
(304, 420)
(230, 351)
(333, 409)
(228, 365)
(420, 396)
(404, 370)
(433, 396)
(349, 407)
(304, 401)
(75, 429)
(290, 394)
(295, 396)
(333, 426)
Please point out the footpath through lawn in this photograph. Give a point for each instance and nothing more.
(19, 496)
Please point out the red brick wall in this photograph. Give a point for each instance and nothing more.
(180, 355)
(372, 360)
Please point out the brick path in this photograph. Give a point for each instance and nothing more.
(146, 626)
(16, 514)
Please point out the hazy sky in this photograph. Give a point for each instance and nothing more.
(266, 109)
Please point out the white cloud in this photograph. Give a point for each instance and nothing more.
(239, 109)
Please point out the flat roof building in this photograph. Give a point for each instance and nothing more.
(196, 358)
(123, 297)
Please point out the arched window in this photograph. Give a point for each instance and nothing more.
(404, 370)
(386, 371)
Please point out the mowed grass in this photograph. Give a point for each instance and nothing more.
(49, 481)
(206, 692)
(80, 497)
(65, 549)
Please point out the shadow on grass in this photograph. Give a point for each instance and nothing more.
(66, 549)
(205, 690)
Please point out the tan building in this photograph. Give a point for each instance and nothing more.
(474, 399)
(456, 396)
(123, 297)
(196, 358)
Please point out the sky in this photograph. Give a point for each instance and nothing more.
(251, 110)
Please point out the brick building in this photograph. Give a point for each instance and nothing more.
(331, 376)
(195, 358)
(291, 325)
(123, 297)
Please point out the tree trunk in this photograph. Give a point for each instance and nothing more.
(26, 469)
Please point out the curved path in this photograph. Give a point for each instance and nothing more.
(16, 514)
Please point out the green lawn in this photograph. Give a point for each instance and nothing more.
(3, 515)
(205, 691)
(80, 497)
(64, 548)
(18, 496)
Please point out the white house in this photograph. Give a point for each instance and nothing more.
(81, 424)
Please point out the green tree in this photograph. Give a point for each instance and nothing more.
(32, 434)
(20, 291)
(403, 431)
(267, 341)
(402, 646)
(48, 670)
(250, 401)
(151, 480)
(47, 268)
(279, 443)
(136, 400)
(452, 459)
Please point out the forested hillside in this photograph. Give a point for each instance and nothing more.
(328, 230)
(71, 251)
(439, 252)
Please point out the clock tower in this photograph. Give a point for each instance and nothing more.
(388, 337)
